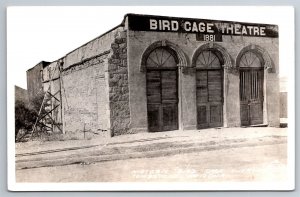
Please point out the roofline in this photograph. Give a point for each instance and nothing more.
(213, 20)
(16, 86)
(112, 29)
(122, 24)
(41, 62)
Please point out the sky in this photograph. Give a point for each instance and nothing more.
(37, 34)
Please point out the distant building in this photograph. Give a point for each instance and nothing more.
(156, 73)
(34, 80)
(21, 95)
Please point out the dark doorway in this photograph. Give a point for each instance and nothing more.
(162, 90)
(209, 82)
(251, 89)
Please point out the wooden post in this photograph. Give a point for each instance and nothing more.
(84, 131)
(60, 69)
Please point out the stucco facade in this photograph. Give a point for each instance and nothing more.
(107, 84)
(187, 47)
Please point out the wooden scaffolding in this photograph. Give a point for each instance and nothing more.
(49, 118)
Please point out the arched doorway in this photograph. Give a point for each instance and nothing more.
(162, 89)
(251, 88)
(209, 83)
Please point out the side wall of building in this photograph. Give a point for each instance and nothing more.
(83, 95)
(94, 86)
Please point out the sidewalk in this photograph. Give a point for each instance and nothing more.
(143, 145)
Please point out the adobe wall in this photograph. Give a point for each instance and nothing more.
(91, 49)
(85, 102)
(138, 41)
(95, 86)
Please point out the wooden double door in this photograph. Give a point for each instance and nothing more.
(162, 100)
(209, 98)
(209, 94)
(251, 96)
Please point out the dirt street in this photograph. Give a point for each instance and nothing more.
(235, 154)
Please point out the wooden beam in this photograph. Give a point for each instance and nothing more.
(48, 112)
(54, 95)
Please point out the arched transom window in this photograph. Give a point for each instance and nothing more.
(208, 60)
(250, 60)
(161, 58)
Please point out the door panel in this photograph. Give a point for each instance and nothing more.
(215, 114)
(169, 100)
(202, 89)
(154, 117)
(169, 86)
(215, 86)
(251, 96)
(256, 113)
(202, 115)
(153, 87)
(170, 117)
(209, 98)
(244, 114)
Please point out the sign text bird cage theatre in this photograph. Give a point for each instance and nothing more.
(156, 73)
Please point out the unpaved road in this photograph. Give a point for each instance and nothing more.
(256, 154)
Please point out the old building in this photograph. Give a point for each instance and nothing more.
(34, 80)
(155, 73)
